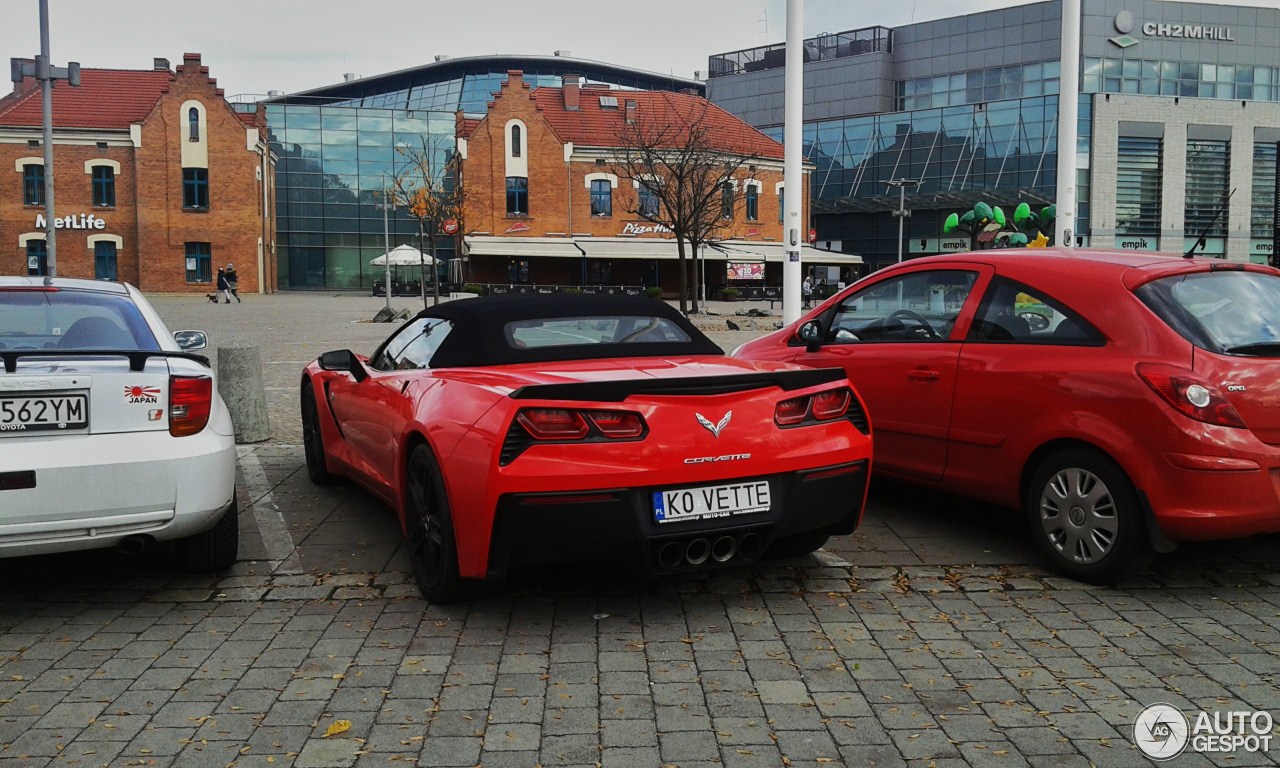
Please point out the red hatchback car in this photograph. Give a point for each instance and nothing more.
(1125, 401)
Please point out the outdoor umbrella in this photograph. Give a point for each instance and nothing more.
(402, 256)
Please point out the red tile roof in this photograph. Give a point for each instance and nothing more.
(596, 126)
(106, 98)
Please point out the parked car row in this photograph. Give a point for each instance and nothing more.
(1126, 402)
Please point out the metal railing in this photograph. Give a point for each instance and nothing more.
(826, 47)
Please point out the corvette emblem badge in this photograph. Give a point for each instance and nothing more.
(715, 429)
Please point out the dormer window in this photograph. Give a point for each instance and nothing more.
(193, 124)
(608, 102)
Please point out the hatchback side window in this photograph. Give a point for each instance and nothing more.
(414, 346)
(921, 306)
(1012, 312)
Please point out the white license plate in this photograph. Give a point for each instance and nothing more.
(711, 501)
(49, 412)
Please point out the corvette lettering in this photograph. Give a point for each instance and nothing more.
(711, 459)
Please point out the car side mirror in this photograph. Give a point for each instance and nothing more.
(344, 360)
(811, 334)
(189, 340)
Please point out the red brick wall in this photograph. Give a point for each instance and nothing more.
(148, 214)
(559, 199)
(233, 222)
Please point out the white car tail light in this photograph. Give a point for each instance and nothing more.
(190, 401)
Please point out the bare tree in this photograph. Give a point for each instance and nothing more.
(427, 186)
(673, 152)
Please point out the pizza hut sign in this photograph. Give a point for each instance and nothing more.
(639, 228)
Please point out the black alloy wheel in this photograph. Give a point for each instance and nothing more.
(433, 548)
(313, 440)
(1085, 517)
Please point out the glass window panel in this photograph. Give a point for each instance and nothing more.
(1129, 86)
(1209, 72)
(1244, 91)
(1263, 75)
(1148, 87)
(1050, 86)
(1168, 88)
(1131, 68)
(380, 122)
(336, 119)
(1188, 71)
(1111, 67)
(1226, 73)
(1244, 74)
(1051, 68)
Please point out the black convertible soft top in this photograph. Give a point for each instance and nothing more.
(479, 336)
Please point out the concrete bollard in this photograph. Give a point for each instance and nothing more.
(241, 387)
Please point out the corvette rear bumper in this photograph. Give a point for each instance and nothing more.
(618, 526)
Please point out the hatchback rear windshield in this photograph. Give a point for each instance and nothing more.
(1228, 311)
(72, 320)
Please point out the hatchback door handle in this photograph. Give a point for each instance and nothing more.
(923, 374)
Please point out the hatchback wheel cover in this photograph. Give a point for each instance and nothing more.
(1078, 515)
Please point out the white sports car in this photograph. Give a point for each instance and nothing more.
(112, 432)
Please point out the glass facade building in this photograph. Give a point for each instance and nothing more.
(1179, 104)
(338, 146)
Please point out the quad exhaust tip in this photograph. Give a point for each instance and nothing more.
(700, 550)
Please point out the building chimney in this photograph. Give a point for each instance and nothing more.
(572, 93)
(159, 63)
(630, 114)
(190, 60)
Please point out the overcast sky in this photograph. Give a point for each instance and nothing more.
(252, 46)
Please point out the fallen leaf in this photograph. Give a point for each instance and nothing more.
(336, 727)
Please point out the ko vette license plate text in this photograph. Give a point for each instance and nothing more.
(50, 412)
(710, 501)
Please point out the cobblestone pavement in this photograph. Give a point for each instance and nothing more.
(926, 639)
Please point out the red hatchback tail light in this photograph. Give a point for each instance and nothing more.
(190, 402)
(824, 406)
(1193, 397)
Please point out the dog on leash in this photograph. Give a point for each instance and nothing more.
(212, 297)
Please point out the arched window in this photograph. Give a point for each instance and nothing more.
(193, 124)
(515, 141)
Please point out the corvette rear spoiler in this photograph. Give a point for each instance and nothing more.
(137, 358)
(617, 391)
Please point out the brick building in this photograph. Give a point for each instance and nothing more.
(545, 205)
(158, 181)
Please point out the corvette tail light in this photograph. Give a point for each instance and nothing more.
(553, 423)
(1192, 396)
(793, 411)
(190, 401)
(568, 425)
(617, 424)
(830, 405)
(809, 409)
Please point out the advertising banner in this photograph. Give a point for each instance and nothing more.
(746, 271)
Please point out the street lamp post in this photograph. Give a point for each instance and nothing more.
(902, 213)
(387, 204)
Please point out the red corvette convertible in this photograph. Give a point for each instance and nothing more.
(511, 431)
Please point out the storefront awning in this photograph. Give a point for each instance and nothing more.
(638, 248)
(561, 247)
(775, 253)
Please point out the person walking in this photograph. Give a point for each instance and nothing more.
(806, 290)
(224, 288)
(233, 282)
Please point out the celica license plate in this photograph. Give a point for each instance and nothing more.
(711, 501)
(23, 414)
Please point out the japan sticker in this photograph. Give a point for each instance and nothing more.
(138, 394)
